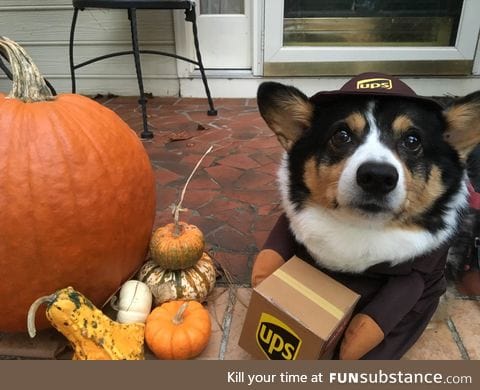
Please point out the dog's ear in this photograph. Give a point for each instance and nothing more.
(286, 110)
(463, 124)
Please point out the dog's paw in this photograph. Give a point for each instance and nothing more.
(266, 263)
(362, 335)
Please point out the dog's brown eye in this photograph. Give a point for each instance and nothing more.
(341, 137)
(412, 142)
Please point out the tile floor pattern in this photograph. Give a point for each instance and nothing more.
(233, 199)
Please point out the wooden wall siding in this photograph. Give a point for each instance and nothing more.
(43, 30)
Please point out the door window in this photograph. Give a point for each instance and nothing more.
(341, 37)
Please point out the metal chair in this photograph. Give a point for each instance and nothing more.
(131, 6)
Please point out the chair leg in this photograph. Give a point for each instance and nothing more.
(191, 16)
(132, 15)
(70, 48)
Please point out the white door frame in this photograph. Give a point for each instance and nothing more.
(184, 41)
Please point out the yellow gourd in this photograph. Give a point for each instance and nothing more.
(92, 334)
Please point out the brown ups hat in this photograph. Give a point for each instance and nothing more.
(374, 84)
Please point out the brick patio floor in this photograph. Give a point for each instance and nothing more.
(233, 199)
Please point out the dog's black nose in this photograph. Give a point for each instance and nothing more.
(377, 178)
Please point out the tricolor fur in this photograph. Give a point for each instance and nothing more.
(366, 180)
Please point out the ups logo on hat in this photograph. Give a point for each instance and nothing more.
(374, 84)
(276, 339)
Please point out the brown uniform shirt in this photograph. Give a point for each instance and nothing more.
(400, 298)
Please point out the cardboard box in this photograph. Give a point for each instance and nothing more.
(298, 312)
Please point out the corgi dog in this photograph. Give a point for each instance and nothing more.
(374, 175)
(374, 186)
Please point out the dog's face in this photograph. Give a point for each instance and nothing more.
(384, 162)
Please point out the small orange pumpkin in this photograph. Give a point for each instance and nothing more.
(177, 246)
(178, 330)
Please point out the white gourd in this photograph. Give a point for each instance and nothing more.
(134, 303)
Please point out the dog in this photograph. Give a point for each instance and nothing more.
(373, 185)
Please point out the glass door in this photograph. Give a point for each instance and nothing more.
(343, 37)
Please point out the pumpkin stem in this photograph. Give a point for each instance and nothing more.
(178, 319)
(177, 208)
(28, 84)
(32, 311)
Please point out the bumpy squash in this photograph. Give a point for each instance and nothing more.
(77, 198)
(93, 335)
(178, 330)
(192, 283)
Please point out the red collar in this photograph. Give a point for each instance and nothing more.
(474, 197)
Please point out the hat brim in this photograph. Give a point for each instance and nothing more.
(327, 96)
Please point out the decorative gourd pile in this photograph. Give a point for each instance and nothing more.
(180, 275)
(179, 267)
(74, 180)
(173, 330)
(177, 329)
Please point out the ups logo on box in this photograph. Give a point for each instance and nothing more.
(276, 339)
(374, 84)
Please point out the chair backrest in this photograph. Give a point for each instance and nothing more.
(139, 4)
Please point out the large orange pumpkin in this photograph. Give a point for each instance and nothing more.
(77, 195)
